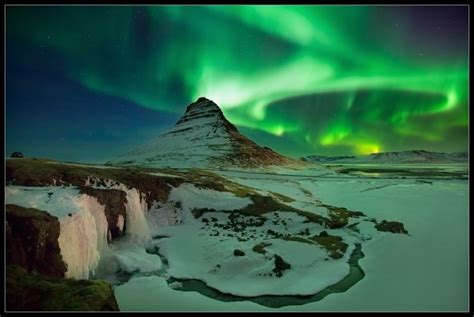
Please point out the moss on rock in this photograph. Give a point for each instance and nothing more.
(28, 292)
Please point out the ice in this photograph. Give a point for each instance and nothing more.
(82, 222)
(215, 264)
(120, 222)
(128, 255)
(163, 215)
(83, 238)
(426, 270)
(136, 209)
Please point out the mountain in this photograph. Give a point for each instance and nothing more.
(203, 137)
(326, 159)
(412, 156)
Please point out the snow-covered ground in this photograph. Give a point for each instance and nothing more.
(426, 270)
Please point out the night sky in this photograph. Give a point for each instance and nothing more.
(87, 83)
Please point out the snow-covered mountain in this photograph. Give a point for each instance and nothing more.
(203, 137)
(413, 156)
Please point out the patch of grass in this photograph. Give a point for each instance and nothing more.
(335, 246)
(339, 216)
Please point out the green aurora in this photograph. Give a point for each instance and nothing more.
(304, 80)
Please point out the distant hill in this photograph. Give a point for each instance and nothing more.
(413, 156)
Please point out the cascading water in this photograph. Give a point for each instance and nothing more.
(83, 237)
(136, 209)
(82, 221)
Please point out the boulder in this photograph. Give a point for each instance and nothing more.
(238, 252)
(280, 266)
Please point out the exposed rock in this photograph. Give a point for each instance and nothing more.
(260, 248)
(391, 226)
(114, 201)
(17, 154)
(32, 241)
(354, 227)
(280, 266)
(28, 292)
(198, 212)
(238, 252)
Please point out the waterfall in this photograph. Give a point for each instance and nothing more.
(83, 237)
(136, 209)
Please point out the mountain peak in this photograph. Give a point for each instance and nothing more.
(205, 111)
(202, 137)
(203, 104)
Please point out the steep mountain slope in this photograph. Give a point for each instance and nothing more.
(203, 137)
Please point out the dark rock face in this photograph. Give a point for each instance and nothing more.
(114, 201)
(32, 292)
(198, 212)
(238, 252)
(32, 241)
(17, 154)
(391, 226)
(280, 266)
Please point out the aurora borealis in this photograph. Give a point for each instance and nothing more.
(93, 81)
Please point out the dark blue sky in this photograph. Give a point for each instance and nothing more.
(51, 115)
(88, 83)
